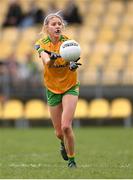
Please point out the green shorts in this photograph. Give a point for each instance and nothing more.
(54, 99)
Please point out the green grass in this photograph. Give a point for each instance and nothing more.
(34, 153)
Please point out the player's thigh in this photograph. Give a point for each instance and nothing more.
(69, 103)
(56, 114)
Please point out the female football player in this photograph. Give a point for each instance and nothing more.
(62, 86)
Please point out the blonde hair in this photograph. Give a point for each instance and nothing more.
(49, 17)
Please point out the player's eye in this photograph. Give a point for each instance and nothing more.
(53, 24)
(56, 23)
(59, 23)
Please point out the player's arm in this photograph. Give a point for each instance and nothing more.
(45, 55)
(42, 54)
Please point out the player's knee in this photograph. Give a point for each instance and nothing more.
(66, 128)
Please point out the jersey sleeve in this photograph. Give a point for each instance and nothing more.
(38, 46)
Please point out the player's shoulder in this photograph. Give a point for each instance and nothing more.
(64, 38)
(43, 40)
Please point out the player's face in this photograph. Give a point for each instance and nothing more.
(54, 27)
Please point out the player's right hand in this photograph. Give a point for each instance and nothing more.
(54, 56)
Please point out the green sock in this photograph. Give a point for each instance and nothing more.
(71, 158)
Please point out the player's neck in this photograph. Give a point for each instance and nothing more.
(54, 39)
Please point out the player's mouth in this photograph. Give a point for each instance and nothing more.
(58, 31)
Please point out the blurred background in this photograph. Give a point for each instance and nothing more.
(104, 29)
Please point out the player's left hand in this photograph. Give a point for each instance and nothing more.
(74, 65)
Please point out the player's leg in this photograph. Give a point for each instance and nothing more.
(69, 103)
(55, 109)
(56, 115)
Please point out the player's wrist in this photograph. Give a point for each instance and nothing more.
(53, 56)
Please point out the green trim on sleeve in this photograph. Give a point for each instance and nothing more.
(40, 50)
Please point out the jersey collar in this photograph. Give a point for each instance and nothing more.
(59, 38)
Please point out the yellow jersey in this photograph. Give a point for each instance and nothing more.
(58, 78)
